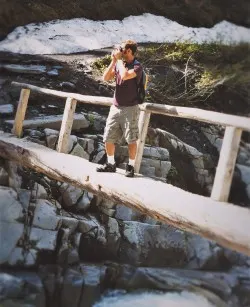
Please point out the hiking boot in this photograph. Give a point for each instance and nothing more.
(107, 167)
(130, 171)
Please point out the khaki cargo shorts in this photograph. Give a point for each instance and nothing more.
(122, 122)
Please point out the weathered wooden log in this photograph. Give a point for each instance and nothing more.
(199, 114)
(143, 130)
(105, 101)
(67, 123)
(225, 223)
(21, 111)
(226, 164)
(169, 110)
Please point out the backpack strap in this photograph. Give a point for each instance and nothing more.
(136, 62)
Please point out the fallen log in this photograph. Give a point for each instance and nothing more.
(225, 223)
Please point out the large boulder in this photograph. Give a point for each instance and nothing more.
(163, 245)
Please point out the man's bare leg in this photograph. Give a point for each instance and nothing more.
(132, 148)
(110, 149)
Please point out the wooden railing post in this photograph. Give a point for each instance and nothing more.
(143, 130)
(66, 126)
(226, 164)
(20, 113)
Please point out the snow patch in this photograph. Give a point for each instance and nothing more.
(80, 34)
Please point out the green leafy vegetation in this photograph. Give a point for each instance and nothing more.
(101, 64)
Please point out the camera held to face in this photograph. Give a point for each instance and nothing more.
(118, 47)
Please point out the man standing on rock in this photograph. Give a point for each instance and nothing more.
(124, 113)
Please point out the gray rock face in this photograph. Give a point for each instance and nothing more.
(113, 237)
(155, 245)
(158, 168)
(245, 176)
(146, 244)
(53, 122)
(45, 216)
(11, 209)
(51, 137)
(84, 202)
(10, 234)
(70, 195)
(43, 239)
(69, 223)
(39, 192)
(15, 180)
(83, 285)
(6, 109)
(202, 253)
(243, 157)
(196, 169)
(96, 121)
(11, 286)
(155, 160)
(125, 213)
(20, 257)
(72, 288)
(87, 144)
(21, 289)
(80, 152)
(91, 228)
(11, 227)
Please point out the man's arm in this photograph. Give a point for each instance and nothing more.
(124, 73)
(109, 73)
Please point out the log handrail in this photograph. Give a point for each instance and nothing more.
(199, 114)
(234, 126)
(169, 110)
(104, 101)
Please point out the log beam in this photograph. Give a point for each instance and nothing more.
(169, 110)
(226, 164)
(96, 100)
(224, 223)
(143, 130)
(66, 126)
(21, 111)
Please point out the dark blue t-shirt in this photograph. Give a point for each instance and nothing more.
(126, 90)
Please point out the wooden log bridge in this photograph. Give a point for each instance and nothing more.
(233, 129)
(227, 224)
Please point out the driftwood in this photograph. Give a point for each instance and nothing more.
(225, 223)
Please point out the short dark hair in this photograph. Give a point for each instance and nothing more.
(130, 44)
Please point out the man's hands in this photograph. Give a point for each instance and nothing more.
(116, 54)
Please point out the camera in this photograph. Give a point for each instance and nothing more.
(117, 47)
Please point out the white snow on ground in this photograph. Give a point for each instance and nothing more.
(184, 299)
(80, 34)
